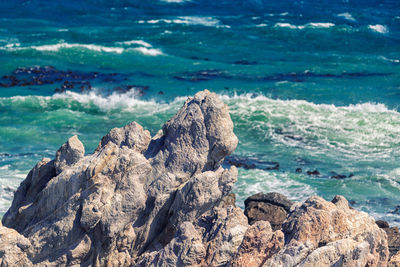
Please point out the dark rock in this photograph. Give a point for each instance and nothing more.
(299, 170)
(396, 210)
(314, 172)
(393, 236)
(272, 207)
(271, 198)
(260, 211)
(251, 162)
(382, 224)
(338, 176)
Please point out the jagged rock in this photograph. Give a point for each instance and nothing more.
(395, 260)
(69, 153)
(162, 201)
(229, 200)
(13, 248)
(209, 241)
(271, 207)
(393, 235)
(321, 233)
(258, 245)
(133, 194)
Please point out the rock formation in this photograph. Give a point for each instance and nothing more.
(131, 196)
(272, 207)
(165, 201)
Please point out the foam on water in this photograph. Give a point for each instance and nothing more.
(135, 42)
(254, 181)
(379, 28)
(347, 16)
(187, 20)
(369, 130)
(143, 48)
(314, 25)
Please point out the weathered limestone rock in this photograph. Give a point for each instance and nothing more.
(13, 248)
(133, 195)
(69, 153)
(209, 241)
(393, 235)
(321, 233)
(258, 245)
(272, 207)
(395, 260)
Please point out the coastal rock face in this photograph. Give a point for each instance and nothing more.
(132, 197)
(165, 201)
(322, 233)
(272, 207)
(258, 245)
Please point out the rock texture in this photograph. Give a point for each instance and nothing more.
(322, 233)
(272, 207)
(165, 201)
(132, 196)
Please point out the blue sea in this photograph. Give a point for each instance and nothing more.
(313, 87)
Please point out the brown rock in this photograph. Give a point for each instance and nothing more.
(322, 233)
(259, 244)
(395, 260)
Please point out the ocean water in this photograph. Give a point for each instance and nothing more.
(310, 85)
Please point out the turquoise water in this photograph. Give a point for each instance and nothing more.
(309, 85)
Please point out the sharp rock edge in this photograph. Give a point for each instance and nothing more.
(142, 201)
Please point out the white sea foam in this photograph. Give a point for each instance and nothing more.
(188, 20)
(148, 51)
(379, 28)
(135, 42)
(254, 181)
(5, 167)
(144, 48)
(347, 16)
(320, 24)
(308, 25)
(390, 59)
(369, 130)
(57, 47)
(288, 25)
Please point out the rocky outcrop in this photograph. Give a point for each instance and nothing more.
(259, 244)
(395, 260)
(133, 196)
(165, 201)
(272, 207)
(324, 233)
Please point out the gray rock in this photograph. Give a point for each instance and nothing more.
(69, 153)
(134, 196)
